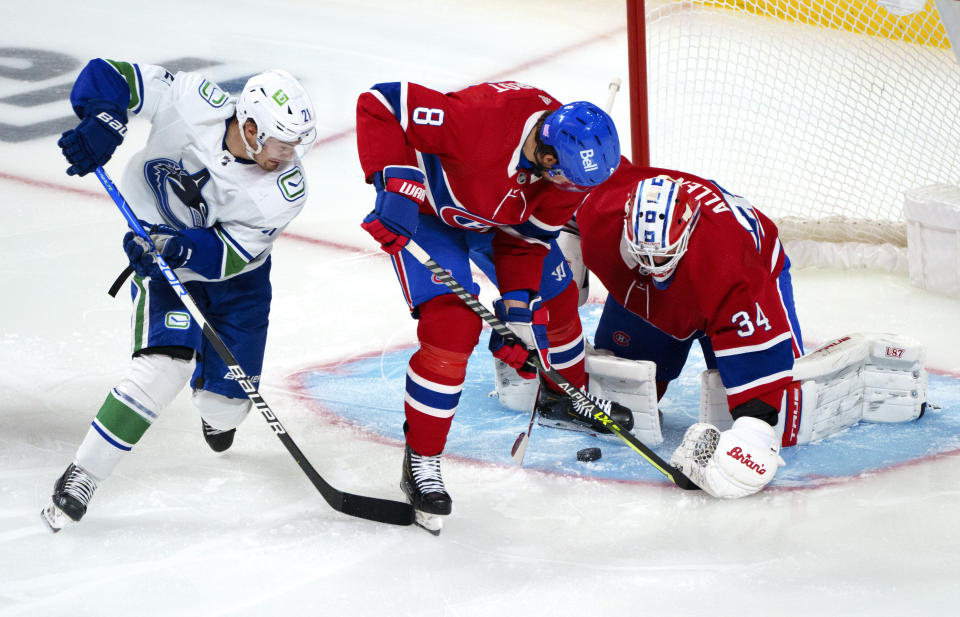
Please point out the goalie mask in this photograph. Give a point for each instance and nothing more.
(282, 110)
(660, 217)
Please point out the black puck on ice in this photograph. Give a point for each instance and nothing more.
(588, 454)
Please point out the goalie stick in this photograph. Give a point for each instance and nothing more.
(674, 475)
(370, 508)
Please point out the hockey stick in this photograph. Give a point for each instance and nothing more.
(674, 475)
(520, 445)
(370, 508)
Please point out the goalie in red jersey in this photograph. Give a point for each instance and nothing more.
(683, 261)
(487, 174)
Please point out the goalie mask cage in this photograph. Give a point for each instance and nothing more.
(819, 112)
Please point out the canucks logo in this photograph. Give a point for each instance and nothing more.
(165, 178)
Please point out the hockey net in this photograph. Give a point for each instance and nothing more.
(820, 112)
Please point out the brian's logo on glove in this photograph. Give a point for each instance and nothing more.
(746, 460)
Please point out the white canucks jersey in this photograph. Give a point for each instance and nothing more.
(186, 178)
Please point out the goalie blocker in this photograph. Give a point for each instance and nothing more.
(861, 377)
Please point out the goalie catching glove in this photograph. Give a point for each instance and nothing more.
(733, 463)
(529, 323)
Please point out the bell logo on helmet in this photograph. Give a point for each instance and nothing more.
(586, 143)
(586, 156)
(280, 97)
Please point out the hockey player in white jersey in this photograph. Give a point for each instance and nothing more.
(218, 181)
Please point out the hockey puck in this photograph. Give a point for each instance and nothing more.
(588, 454)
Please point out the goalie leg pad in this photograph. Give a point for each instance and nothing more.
(714, 408)
(513, 390)
(632, 383)
(868, 377)
(861, 377)
(733, 463)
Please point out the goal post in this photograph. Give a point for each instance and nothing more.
(820, 112)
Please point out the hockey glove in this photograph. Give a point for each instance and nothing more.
(529, 323)
(175, 248)
(94, 140)
(395, 216)
(733, 463)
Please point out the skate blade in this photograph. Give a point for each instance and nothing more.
(433, 523)
(573, 427)
(568, 426)
(55, 518)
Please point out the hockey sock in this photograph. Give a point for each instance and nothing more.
(448, 332)
(566, 337)
(152, 381)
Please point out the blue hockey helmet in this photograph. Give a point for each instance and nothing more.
(586, 143)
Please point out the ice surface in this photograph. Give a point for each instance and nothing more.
(181, 531)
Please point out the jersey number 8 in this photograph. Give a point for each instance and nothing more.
(426, 115)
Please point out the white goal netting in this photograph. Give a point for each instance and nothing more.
(822, 113)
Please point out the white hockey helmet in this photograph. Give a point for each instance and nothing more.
(659, 218)
(280, 107)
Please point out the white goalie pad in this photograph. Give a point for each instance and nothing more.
(632, 383)
(628, 382)
(714, 408)
(865, 377)
(513, 390)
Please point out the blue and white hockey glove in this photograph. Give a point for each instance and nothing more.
(175, 248)
(529, 323)
(94, 140)
(395, 216)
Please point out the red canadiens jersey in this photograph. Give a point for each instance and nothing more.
(725, 285)
(468, 143)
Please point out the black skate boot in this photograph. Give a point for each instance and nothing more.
(217, 440)
(422, 483)
(558, 410)
(71, 494)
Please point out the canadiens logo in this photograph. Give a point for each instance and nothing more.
(621, 338)
(436, 279)
(455, 217)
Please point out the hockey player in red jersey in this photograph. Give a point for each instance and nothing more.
(489, 174)
(685, 260)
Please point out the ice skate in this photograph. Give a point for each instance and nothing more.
(422, 483)
(557, 410)
(71, 494)
(218, 440)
